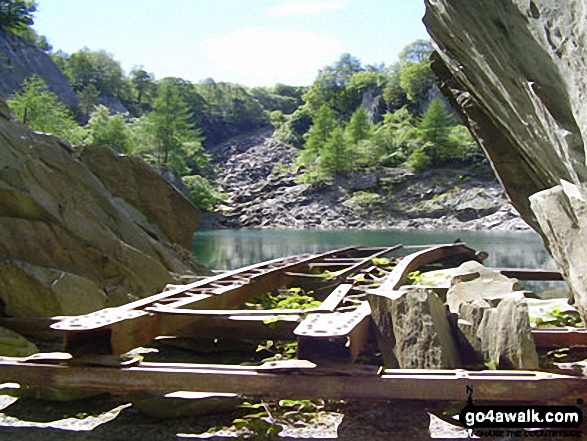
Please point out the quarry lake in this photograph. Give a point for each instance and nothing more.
(229, 249)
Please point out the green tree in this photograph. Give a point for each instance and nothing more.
(173, 133)
(416, 79)
(434, 127)
(85, 68)
(467, 150)
(89, 97)
(320, 131)
(39, 108)
(393, 93)
(16, 14)
(331, 87)
(415, 52)
(418, 160)
(143, 83)
(109, 130)
(359, 127)
(201, 192)
(334, 154)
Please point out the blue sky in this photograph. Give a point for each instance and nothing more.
(251, 42)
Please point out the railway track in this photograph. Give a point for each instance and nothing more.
(329, 338)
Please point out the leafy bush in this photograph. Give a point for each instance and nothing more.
(418, 160)
(362, 201)
(40, 109)
(201, 192)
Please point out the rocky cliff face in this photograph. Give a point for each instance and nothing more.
(19, 60)
(78, 233)
(516, 71)
(262, 191)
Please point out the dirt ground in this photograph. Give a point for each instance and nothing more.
(107, 418)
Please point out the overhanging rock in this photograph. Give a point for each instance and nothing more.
(516, 71)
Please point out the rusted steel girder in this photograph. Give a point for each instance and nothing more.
(559, 337)
(334, 337)
(531, 274)
(240, 326)
(117, 330)
(301, 381)
(412, 262)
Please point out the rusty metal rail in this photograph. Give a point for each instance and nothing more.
(118, 330)
(300, 380)
(329, 338)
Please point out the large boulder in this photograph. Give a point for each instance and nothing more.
(496, 332)
(516, 70)
(131, 179)
(413, 329)
(72, 243)
(493, 325)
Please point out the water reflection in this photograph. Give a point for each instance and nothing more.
(228, 249)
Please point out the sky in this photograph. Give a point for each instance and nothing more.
(250, 42)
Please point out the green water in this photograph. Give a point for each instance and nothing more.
(229, 249)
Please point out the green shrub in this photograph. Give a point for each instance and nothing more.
(418, 160)
(201, 192)
(362, 201)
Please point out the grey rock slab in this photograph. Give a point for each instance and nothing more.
(413, 329)
(497, 333)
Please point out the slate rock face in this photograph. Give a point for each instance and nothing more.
(493, 320)
(70, 243)
(516, 70)
(19, 60)
(415, 330)
(131, 179)
(496, 333)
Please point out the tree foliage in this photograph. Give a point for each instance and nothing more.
(40, 109)
(172, 130)
(98, 69)
(416, 79)
(16, 14)
(110, 130)
(143, 83)
(416, 52)
(356, 117)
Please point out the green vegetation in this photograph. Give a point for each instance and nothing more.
(267, 419)
(352, 119)
(358, 117)
(559, 318)
(16, 14)
(364, 201)
(110, 130)
(37, 107)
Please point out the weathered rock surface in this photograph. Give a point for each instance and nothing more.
(484, 321)
(262, 192)
(414, 329)
(70, 243)
(493, 318)
(19, 60)
(562, 214)
(131, 179)
(472, 281)
(498, 332)
(517, 73)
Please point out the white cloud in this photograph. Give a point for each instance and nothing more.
(265, 56)
(304, 8)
